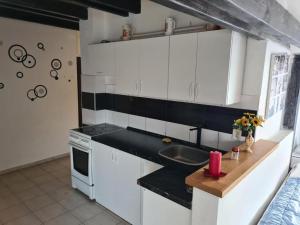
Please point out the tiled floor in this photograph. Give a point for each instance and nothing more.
(43, 195)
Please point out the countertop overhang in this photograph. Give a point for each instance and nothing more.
(235, 170)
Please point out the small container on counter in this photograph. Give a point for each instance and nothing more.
(235, 153)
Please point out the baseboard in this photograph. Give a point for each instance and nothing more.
(34, 163)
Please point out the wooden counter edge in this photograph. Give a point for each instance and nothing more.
(220, 189)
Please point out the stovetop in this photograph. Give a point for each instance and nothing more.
(95, 130)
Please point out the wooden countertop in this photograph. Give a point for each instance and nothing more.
(236, 169)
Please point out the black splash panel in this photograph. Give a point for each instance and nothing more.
(212, 117)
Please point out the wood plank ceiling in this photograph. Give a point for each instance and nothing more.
(265, 19)
(63, 13)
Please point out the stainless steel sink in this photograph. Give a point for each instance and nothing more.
(185, 155)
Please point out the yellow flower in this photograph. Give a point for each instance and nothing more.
(245, 121)
(261, 119)
(256, 122)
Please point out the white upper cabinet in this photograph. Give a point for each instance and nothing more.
(182, 67)
(220, 67)
(154, 59)
(101, 59)
(205, 67)
(127, 67)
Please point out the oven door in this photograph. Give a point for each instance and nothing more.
(81, 163)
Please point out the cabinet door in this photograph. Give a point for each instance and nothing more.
(154, 59)
(104, 175)
(128, 196)
(101, 59)
(158, 210)
(127, 67)
(213, 60)
(182, 67)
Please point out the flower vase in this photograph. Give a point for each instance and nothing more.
(249, 142)
(236, 134)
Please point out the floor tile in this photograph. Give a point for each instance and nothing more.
(73, 201)
(43, 195)
(12, 178)
(4, 190)
(51, 186)
(87, 211)
(29, 193)
(50, 212)
(33, 172)
(13, 212)
(51, 166)
(65, 162)
(103, 218)
(20, 185)
(65, 219)
(43, 179)
(62, 172)
(39, 202)
(8, 200)
(66, 180)
(29, 219)
(62, 193)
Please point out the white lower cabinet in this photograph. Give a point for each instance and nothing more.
(158, 210)
(115, 180)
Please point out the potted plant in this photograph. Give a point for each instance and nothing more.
(248, 124)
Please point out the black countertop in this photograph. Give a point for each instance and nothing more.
(168, 181)
(99, 129)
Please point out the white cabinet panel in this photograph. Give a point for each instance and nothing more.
(213, 66)
(158, 210)
(104, 175)
(127, 67)
(220, 67)
(115, 176)
(128, 194)
(154, 59)
(182, 67)
(101, 59)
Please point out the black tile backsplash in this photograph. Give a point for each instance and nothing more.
(211, 117)
(88, 100)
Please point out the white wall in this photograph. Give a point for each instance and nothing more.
(273, 124)
(32, 131)
(238, 205)
(106, 26)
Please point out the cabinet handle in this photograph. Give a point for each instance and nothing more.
(137, 86)
(196, 90)
(190, 89)
(140, 86)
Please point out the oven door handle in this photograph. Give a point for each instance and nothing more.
(72, 144)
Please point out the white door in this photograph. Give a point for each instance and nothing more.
(182, 67)
(128, 196)
(213, 60)
(154, 59)
(104, 175)
(127, 67)
(101, 59)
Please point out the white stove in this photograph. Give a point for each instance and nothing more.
(81, 150)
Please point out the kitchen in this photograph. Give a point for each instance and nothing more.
(146, 129)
